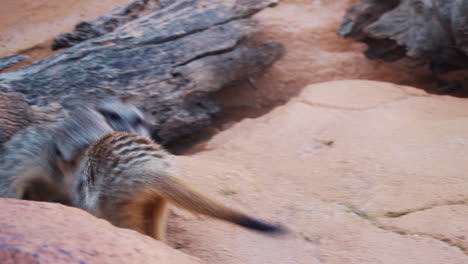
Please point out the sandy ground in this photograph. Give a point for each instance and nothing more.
(28, 27)
(362, 172)
(26, 24)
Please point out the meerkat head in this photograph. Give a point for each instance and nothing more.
(74, 135)
(86, 124)
(80, 130)
(122, 116)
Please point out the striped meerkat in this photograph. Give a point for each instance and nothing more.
(127, 179)
(29, 165)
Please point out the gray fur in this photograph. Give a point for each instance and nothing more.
(30, 149)
(124, 117)
(82, 128)
(35, 162)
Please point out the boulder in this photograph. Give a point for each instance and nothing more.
(360, 171)
(431, 31)
(35, 232)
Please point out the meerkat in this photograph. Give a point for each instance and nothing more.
(29, 166)
(127, 179)
(125, 117)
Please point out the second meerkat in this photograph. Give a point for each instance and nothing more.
(127, 179)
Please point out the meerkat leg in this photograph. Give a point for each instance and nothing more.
(154, 218)
(159, 220)
(125, 213)
(36, 185)
(40, 189)
(24, 184)
(147, 216)
(130, 215)
(37, 189)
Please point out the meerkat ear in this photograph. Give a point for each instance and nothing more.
(65, 150)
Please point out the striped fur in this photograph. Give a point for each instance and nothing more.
(127, 179)
(36, 161)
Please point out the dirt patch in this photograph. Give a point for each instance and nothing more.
(28, 27)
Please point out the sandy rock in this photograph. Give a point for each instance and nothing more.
(433, 32)
(33, 23)
(433, 222)
(333, 164)
(33, 232)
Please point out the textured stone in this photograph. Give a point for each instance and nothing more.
(430, 31)
(33, 232)
(338, 164)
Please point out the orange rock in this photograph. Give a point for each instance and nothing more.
(338, 164)
(33, 232)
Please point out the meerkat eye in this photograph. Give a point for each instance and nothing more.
(113, 116)
(137, 121)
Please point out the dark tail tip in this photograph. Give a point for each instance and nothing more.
(260, 226)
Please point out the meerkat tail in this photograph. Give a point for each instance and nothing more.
(180, 194)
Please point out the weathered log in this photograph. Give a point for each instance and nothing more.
(168, 62)
(108, 22)
(433, 31)
(16, 114)
(10, 60)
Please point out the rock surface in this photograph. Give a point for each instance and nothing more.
(33, 232)
(314, 53)
(361, 171)
(431, 31)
